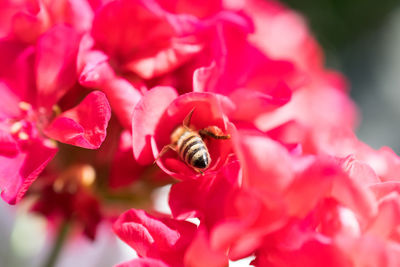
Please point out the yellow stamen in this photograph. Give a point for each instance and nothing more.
(16, 127)
(23, 136)
(56, 110)
(50, 143)
(24, 106)
(88, 175)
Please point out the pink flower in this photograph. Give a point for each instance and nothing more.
(27, 116)
(160, 112)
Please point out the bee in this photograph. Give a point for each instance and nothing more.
(190, 145)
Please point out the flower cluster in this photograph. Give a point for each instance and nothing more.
(94, 92)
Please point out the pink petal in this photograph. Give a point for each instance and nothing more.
(385, 188)
(355, 195)
(163, 61)
(17, 173)
(8, 102)
(27, 27)
(121, 28)
(312, 185)
(85, 125)
(198, 8)
(388, 217)
(143, 262)
(252, 103)
(8, 146)
(145, 119)
(314, 253)
(124, 169)
(161, 238)
(56, 53)
(77, 13)
(266, 164)
(96, 73)
(200, 253)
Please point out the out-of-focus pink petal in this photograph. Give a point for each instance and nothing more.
(18, 172)
(123, 98)
(286, 35)
(95, 72)
(355, 195)
(77, 13)
(145, 119)
(85, 125)
(385, 188)
(8, 146)
(124, 169)
(162, 61)
(198, 8)
(143, 262)
(121, 28)
(359, 170)
(266, 164)
(246, 220)
(200, 253)
(252, 103)
(56, 53)
(8, 102)
(314, 253)
(370, 250)
(388, 217)
(161, 238)
(312, 185)
(17, 74)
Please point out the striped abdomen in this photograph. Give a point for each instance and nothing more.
(192, 150)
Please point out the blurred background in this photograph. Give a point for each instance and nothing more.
(361, 38)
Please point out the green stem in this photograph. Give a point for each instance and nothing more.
(58, 244)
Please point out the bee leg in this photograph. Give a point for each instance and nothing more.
(186, 121)
(164, 150)
(199, 171)
(213, 132)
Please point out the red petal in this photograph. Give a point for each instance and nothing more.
(200, 253)
(18, 173)
(97, 73)
(267, 165)
(162, 238)
(8, 146)
(252, 103)
(124, 169)
(355, 195)
(312, 185)
(388, 217)
(8, 102)
(145, 118)
(85, 125)
(56, 54)
(121, 28)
